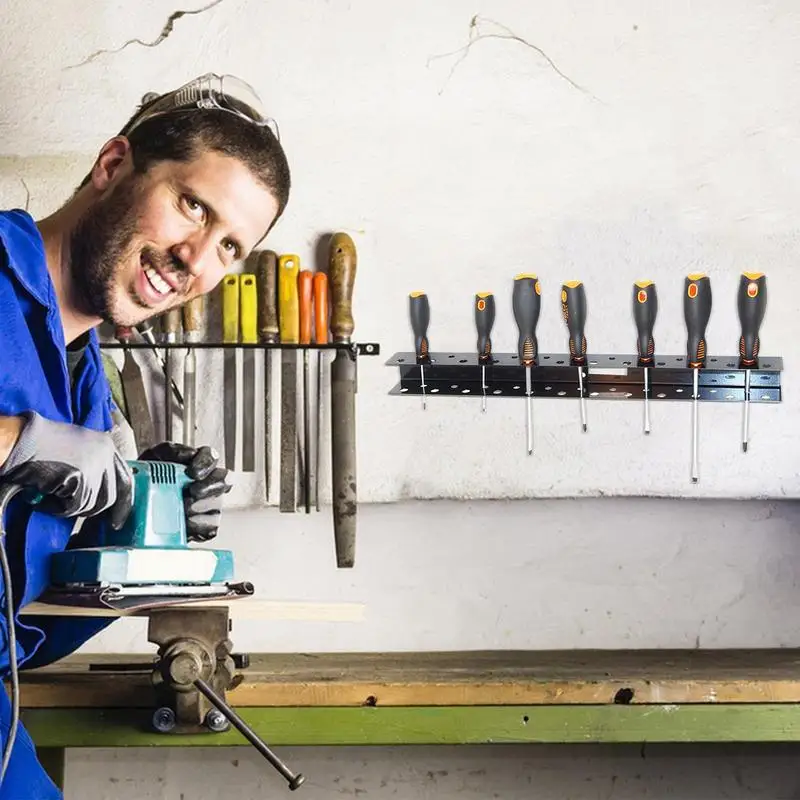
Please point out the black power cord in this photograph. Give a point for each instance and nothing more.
(6, 493)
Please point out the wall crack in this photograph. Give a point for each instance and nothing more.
(503, 32)
(27, 193)
(165, 32)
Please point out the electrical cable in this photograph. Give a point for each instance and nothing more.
(6, 493)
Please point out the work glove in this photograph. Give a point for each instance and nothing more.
(78, 471)
(202, 497)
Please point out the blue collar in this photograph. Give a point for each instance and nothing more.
(25, 252)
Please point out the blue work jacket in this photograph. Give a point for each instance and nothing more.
(34, 376)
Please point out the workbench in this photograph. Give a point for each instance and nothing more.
(436, 698)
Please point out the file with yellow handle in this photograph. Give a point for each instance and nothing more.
(289, 326)
(230, 335)
(248, 318)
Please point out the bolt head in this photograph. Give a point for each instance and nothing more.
(215, 721)
(164, 720)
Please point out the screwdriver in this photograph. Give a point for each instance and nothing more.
(696, 310)
(573, 309)
(645, 309)
(320, 337)
(420, 317)
(484, 320)
(752, 303)
(526, 301)
(304, 294)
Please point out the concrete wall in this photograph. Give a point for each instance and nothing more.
(605, 144)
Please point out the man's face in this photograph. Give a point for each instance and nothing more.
(156, 240)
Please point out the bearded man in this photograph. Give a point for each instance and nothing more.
(194, 181)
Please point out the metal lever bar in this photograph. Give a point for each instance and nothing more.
(294, 779)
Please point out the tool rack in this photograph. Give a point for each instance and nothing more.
(605, 377)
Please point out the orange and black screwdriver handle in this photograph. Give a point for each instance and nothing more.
(420, 312)
(645, 309)
(484, 321)
(573, 309)
(696, 311)
(526, 301)
(752, 303)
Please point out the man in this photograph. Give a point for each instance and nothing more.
(195, 180)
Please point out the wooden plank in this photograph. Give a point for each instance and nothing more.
(477, 678)
(442, 725)
(243, 608)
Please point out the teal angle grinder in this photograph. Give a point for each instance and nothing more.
(150, 554)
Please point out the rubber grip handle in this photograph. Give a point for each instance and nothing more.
(420, 312)
(645, 309)
(573, 309)
(320, 308)
(484, 321)
(342, 276)
(696, 311)
(267, 281)
(230, 309)
(248, 305)
(752, 304)
(193, 314)
(526, 300)
(288, 307)
(305, 298)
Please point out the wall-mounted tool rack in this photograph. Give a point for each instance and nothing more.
(356, 348)
(608, 377)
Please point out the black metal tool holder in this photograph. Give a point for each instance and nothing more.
(609, 377)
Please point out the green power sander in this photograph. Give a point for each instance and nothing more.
(150, 554)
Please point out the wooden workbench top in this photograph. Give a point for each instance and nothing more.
(472, 678)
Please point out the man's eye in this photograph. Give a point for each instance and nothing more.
(232, 248)
(194, 207)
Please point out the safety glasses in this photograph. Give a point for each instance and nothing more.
(222, 92)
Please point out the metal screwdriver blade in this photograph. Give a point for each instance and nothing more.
(529, 411)
(695, 431)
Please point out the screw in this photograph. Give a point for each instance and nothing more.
(164, 720)
(215, 721)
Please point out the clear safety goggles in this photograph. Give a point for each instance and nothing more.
(222, 92)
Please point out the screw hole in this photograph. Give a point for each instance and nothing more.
(561, 394)
(516, 387)
(434, 391)
(662, 363)
(559, 362)
(612, 358)
(661, 395)
(497, 391)
(679, 391)
(454, 386)
(594, 394)
(730, 365)
(462, 360)
(465, 391)
(627, 363)
(547, 357)
(404, 389)
(623, 697)
(613, 389)
(525, 720)
(730, 377)
(371, 701)
(593, 363)
(548, 388)
(452, 355)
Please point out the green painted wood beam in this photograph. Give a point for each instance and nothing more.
(434, 725)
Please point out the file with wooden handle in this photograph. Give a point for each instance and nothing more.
(267, 281)
(230, 335)
(289, 327)
(342, 273)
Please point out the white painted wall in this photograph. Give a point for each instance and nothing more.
(678, 153)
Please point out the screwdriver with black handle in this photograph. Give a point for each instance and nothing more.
(573, 309)
(645, 309)
(420, 312)
(526, 301)
(752, 304)
(696, 311)
(484, 321)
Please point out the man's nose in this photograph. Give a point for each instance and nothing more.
(194, 254)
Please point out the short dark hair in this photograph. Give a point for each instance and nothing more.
(183, 134)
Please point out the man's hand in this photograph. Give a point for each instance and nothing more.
(78, 471)
(203, 496)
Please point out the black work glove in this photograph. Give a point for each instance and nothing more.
(79, 471)
(202, 498)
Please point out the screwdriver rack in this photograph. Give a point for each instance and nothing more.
(605, 377)
(356, 348)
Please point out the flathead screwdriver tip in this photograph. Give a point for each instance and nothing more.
(744, 447)
(585, 427)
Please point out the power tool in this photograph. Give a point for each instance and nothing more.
(150, 555)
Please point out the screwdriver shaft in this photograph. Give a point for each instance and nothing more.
(746, 425)
(695, 429)
(646, 402)
(422, 384)
(583, 398)
(483, 387)
(529, 411)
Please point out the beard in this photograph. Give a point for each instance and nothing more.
(101, 248)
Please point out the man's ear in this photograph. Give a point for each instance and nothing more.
(113, 161)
